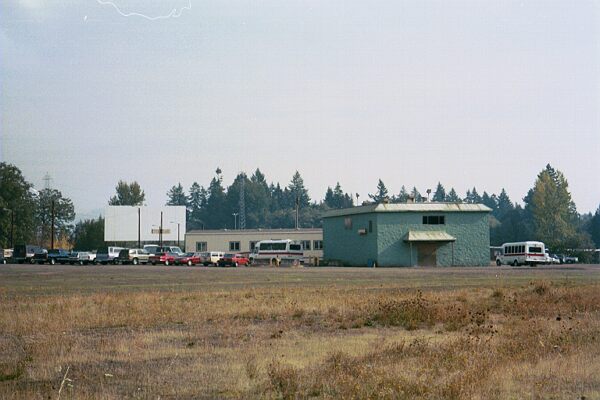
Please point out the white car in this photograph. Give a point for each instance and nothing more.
(551, 259)
(211, 257)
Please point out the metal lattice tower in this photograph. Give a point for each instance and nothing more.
(47, 178)
(243, 203)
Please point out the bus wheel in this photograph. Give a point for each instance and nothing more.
(515, 263)
(498, 263)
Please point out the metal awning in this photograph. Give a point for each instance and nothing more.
(428, 236)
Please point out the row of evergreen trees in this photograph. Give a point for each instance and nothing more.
(548, 212)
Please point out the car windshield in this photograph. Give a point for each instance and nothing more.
(229, 255)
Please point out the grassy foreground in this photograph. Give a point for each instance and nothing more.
(148, 332)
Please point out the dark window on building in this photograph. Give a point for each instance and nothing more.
(317, 245)
(370, 226)
(234, 246)
(201, 246)
(348, 223)
(434, 220)
(306, 244)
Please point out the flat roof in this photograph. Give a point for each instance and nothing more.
(408, 207)
(250, 231)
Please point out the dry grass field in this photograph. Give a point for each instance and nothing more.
(179, 332)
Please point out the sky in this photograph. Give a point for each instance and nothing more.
(467, 93)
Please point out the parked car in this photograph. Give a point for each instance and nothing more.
(154, 249)
(58, 256)
(552, 259)
(234, 260)
(79, 257)
(165, 258)
(565, 259)
(211, 258)
(132, 256)
(107, 255)
(24, 253)
(188, 259)
(2, 259)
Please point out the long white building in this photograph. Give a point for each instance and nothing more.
(243, 240)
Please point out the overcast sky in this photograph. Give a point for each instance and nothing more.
(474, 93)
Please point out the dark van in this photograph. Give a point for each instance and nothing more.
(25, 253)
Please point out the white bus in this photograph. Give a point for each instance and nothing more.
(522, 253)
(276, 252)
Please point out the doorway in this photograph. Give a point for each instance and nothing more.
(427, 254)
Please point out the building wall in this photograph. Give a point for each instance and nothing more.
(219, 240)
(346, 245)
(386, 245)
(470, 229)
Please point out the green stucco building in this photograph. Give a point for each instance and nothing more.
(408, 234)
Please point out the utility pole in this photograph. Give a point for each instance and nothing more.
(160, 230)
(139, 229)
(52, 227)
(297, 211)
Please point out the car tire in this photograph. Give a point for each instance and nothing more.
(52, 261)
(190, 263)
(167, 262)
(31, 261)
(235, 264)
(515, 263)
(498, 263)
(153, 263)
(135, 261)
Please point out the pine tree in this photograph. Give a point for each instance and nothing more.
(452, 197)
(505, 205)
(128, 194)
(176, 196)
(594, 228)
(416, 195)
(381, 194)
(440, 193)
(196, 201)
(552, 208)
(489, 201)
(402, 196)
(215, 214)
(297, 192)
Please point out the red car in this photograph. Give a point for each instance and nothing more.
(163, 258)
(189, 259)
(233, 259)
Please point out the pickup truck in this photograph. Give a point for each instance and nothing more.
(79, 257)
(58, 256)
(565, 259)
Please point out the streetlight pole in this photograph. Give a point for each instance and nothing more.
(234, 220)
